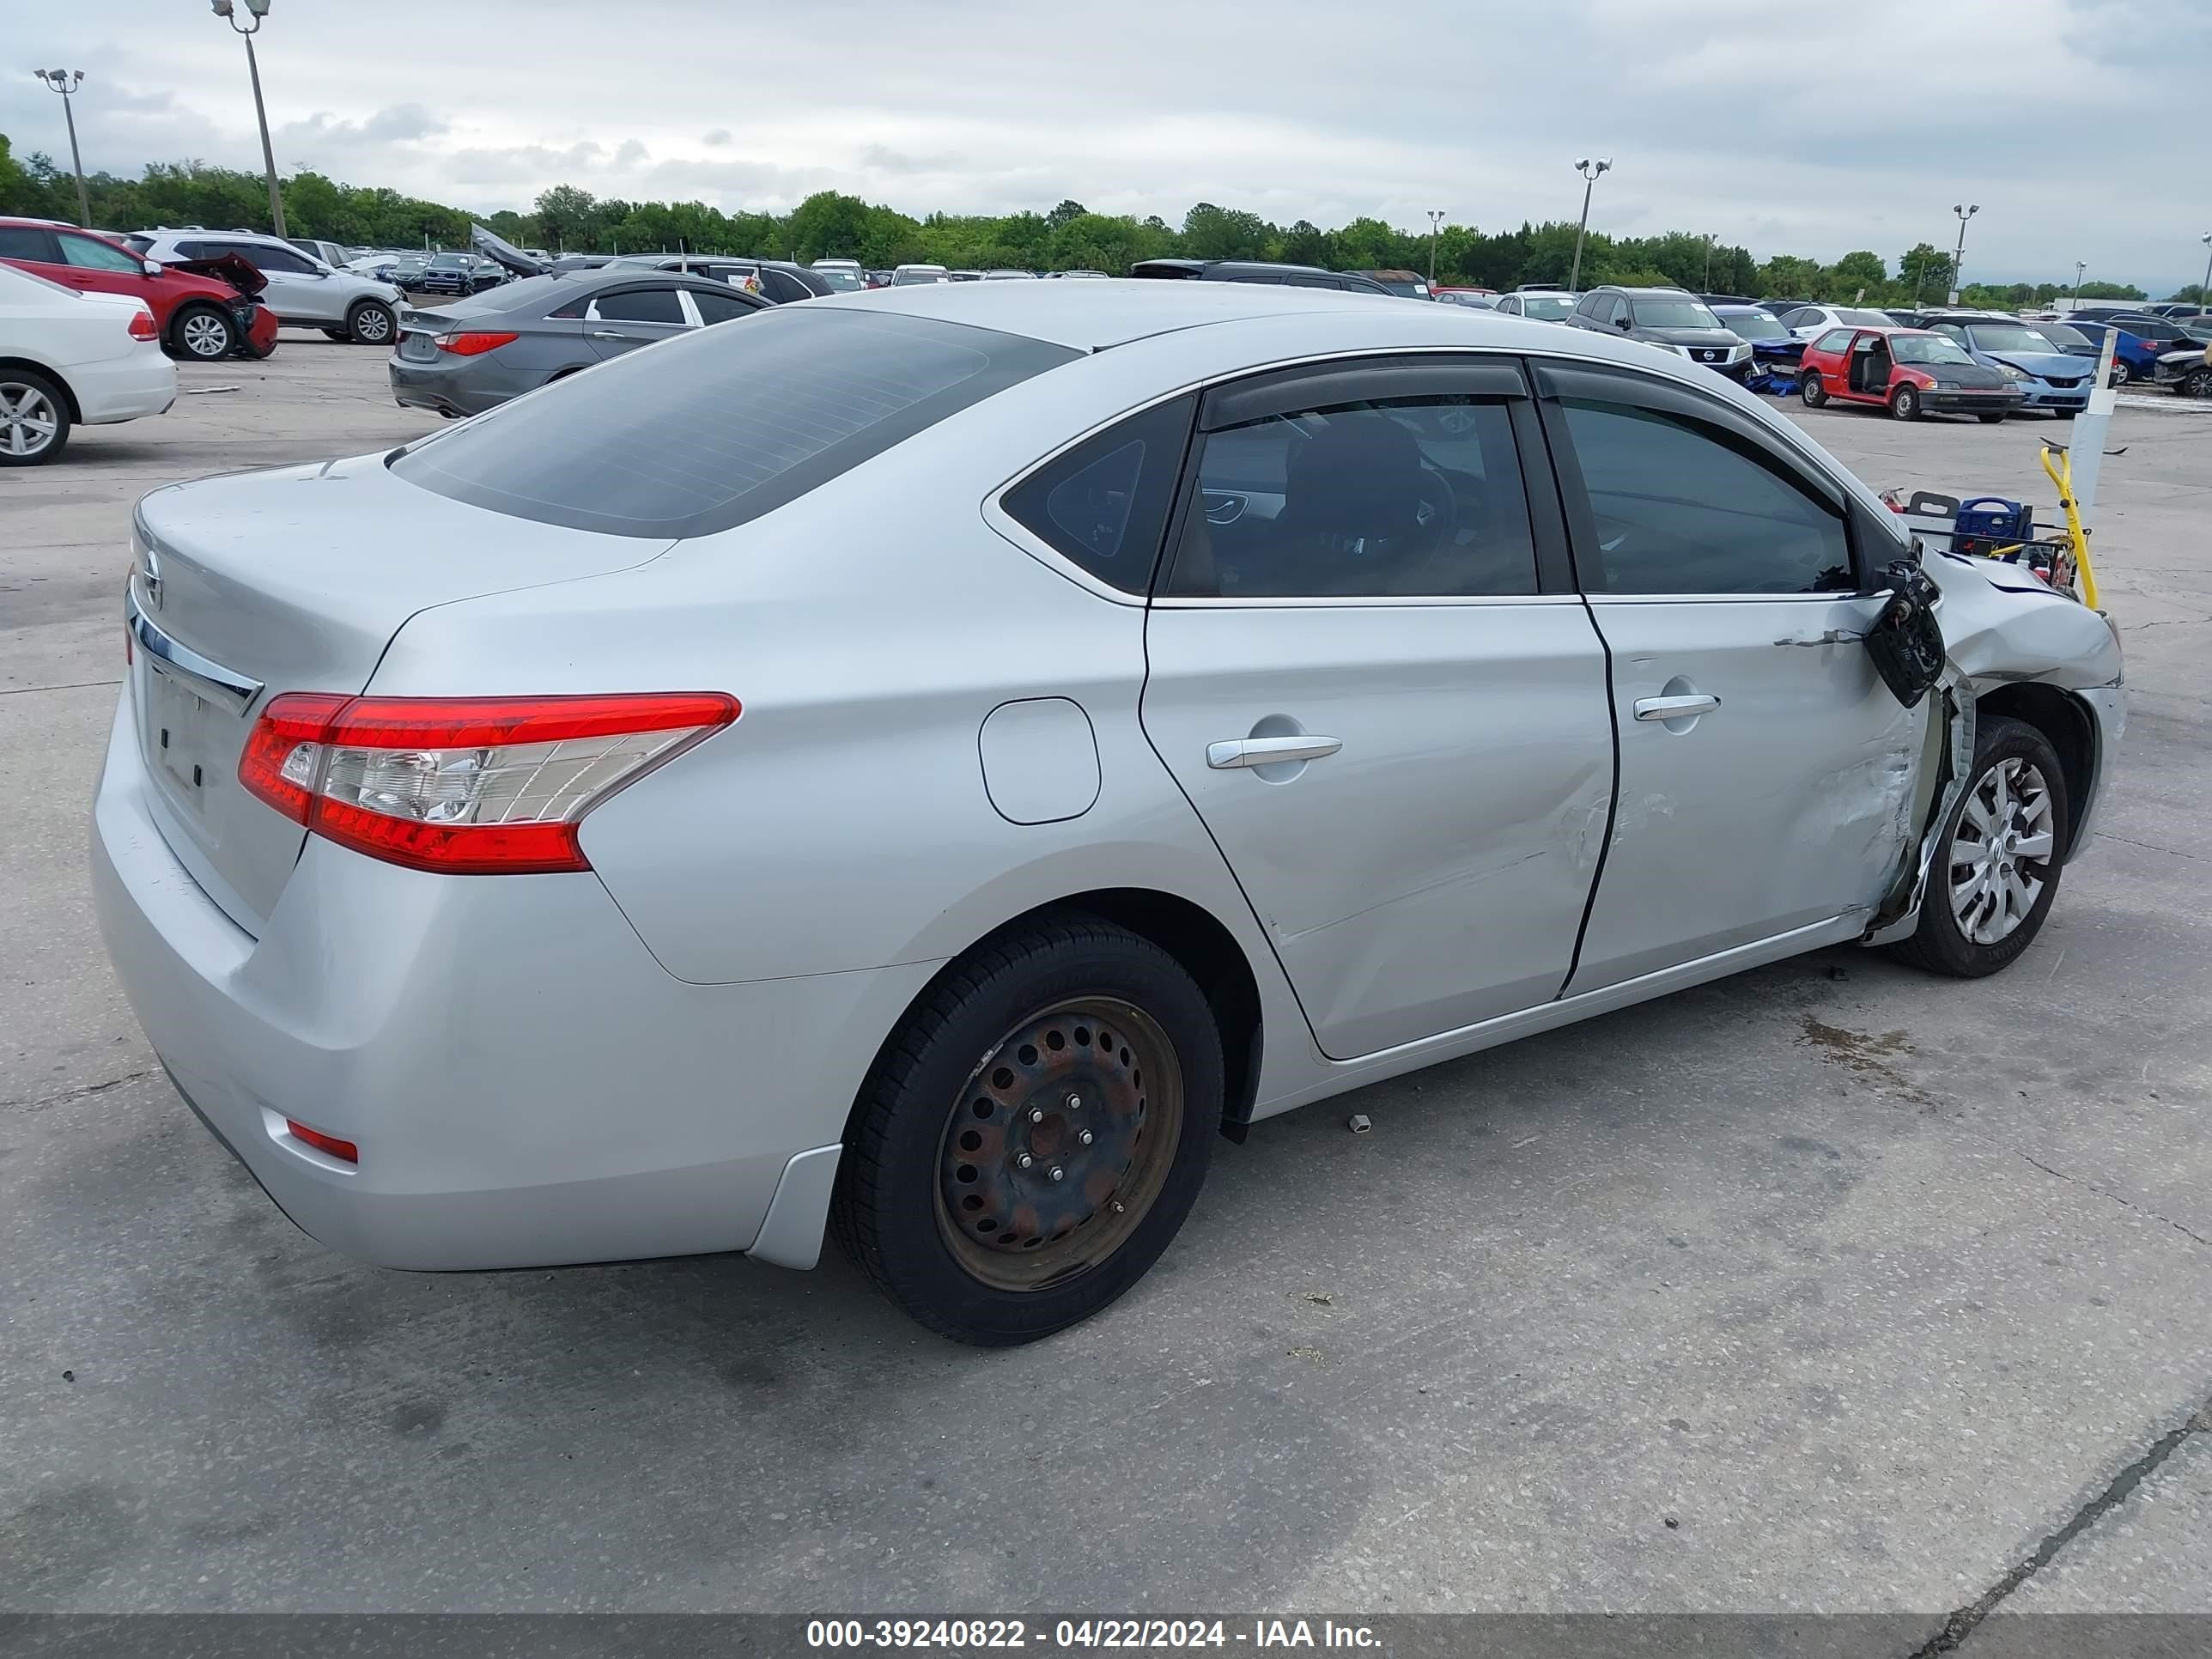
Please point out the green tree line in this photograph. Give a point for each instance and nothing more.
(831, 224)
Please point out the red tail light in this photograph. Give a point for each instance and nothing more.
(141, 325)
(472, 346)
(466, 785)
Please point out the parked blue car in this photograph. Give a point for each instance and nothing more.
(2133, 358)
(2046, 376)
(1775, 350)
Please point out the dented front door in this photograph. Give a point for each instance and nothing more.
(1784, 801)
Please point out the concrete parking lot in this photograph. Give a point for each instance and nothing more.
(1828, 1287)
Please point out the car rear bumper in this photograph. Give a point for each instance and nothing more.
(526, 1085)
(142, 381)
(457, 386)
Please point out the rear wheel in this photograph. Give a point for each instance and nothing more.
(1810, 388)
(204, 333)
(371, 323)
(1905, 403)
(2121, 373)
(1000, 1200)
(1992, 885)
(34, 423)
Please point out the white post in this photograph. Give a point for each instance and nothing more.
(2085, 442)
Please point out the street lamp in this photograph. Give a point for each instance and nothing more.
(2204, 293)
(1589, 170)
(2080, 265)
(66, 82)
(1959, 258)
(259, 9)
(1435, 222)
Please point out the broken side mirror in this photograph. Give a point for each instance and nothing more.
(1906, 641)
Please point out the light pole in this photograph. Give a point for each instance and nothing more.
(1435, 222)
(1589, 170)
(1959, 258)
(259, 9)
(2204, 293)
(2080, 265)
(66, 82)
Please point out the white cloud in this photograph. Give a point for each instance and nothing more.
(1306, 109)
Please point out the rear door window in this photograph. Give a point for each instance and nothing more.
(27, 242)
(719, 308)
(642, 305)
(90, 253)
(719, 426)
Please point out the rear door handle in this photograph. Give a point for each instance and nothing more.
(1269, 751)
(1675, 709)
(608, 334)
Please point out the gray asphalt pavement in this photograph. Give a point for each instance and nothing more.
(1830, 1287)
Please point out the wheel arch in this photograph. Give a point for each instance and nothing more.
(1187, 931)
(53, 377)
(2066, 725)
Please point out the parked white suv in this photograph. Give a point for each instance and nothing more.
(303, 291)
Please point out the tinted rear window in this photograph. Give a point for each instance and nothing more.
(716, 428)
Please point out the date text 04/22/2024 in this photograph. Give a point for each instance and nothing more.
(1083, 1635)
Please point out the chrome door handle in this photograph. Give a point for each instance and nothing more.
(608, 334)
(1675, 709)
(1269, 751)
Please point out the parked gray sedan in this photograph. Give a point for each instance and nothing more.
(945, 758)
(476, 353)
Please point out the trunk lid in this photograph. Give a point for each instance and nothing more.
(295, 579)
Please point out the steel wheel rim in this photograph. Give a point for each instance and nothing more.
(371, 325)
(1011, 1225)
(1808, 387)
(28, 419)
(2001, 851)
(1906, 402)
(206, 336)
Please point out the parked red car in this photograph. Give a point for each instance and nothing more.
(1908, 370)
(201, 316)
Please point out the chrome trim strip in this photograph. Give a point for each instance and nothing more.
(222, 686)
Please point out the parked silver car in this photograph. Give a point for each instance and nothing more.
(303, 291)
(941, 759)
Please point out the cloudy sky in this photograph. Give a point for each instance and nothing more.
(2078, 125)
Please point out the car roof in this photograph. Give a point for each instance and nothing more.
(1094, 315)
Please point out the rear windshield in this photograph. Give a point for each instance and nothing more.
(1546, 308)
(715, 428)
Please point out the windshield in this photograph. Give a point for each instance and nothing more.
(914, 273)
(2065, 336)
(715, 428)
(1548, 307)
(1754, 326)
(2007, 336)
(1927, 349)
(845, 281)
(1673, 314)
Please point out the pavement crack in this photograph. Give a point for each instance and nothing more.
(2125, 1204)
(38, 1103)
(2149, 847)
(70, 685)
(1961, 1623)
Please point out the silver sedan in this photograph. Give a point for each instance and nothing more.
(928, 766)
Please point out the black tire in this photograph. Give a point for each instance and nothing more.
(1060, 978)
(1939, 944)
(1810, 388)
(2198, 383)
(2066, 414)
(1905, 403)
(203, 334)
(339, 334)
(2122, 374)
(371, 323)
(1989, 420)
(34, 418)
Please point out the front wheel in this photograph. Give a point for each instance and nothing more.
(1992, 885)
(1988, 420)
(2198, 383)
(204, 334)
(371, 323)
(999, 1199)
(1810, 388)
(1905, 403)
(34, 423)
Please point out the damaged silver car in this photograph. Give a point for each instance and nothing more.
(935, 762)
